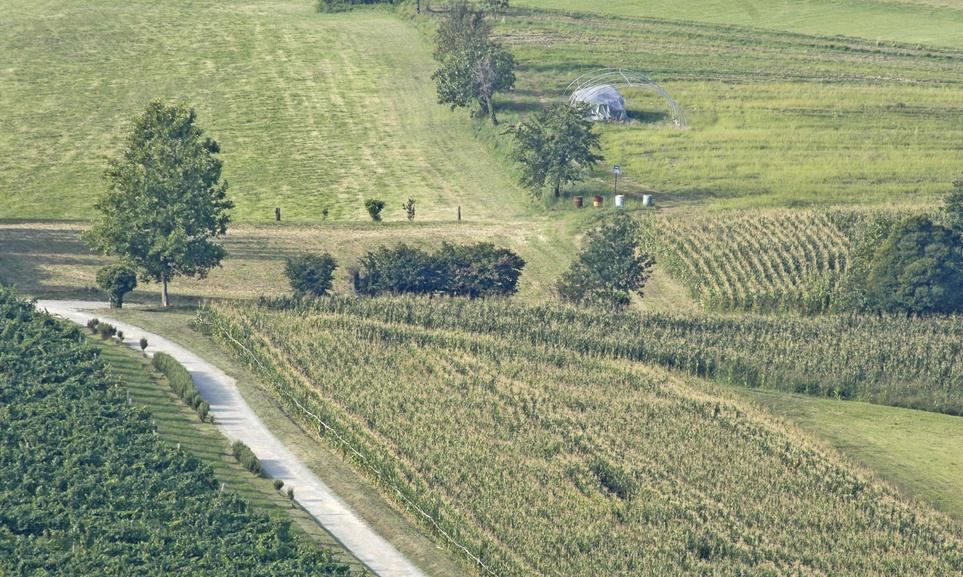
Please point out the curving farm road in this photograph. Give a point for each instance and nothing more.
(236, 420)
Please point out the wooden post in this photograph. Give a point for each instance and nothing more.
(277, 214)
(459, 213)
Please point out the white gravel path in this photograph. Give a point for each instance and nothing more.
(236, 420)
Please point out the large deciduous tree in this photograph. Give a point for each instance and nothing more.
(472, 66)
(610, 267)
(165, 199)
(556, 146)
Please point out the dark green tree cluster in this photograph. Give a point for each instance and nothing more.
(473, 67)
(474, 271)
(610, 267)
(556, 146)
(918, 270)
(165, 199)
(87, 488)
(910, 267)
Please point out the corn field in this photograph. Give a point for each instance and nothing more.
(760, 260)
(542, 460)
(892, 360)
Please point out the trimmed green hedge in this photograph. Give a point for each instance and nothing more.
(182, 383)
(246, 457)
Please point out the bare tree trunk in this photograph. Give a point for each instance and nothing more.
(558, 189)
(165, 300)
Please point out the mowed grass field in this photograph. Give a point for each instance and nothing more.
(51, 259)
(312, 111)
(775, 119)
(938, 22)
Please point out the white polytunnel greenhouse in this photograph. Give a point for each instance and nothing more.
(605, 102)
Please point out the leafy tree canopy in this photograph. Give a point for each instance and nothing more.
(472, 66)
(919, 270)
(610, 267)
(165, 199)
(556, 146)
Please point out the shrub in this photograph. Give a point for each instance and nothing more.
(92, 325)
(246, 457)
(397, 270)
(409, 209)
(143, 344)
(374, 208)
(120, 336)
(478, 270)
(106, 330)
(310, 274)
(117, 280)
(342, 5)
(181, 382)
(614, 479)
(291, 493)
(278, 483)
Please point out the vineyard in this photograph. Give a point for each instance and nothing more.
(543, 461)
(763, 260)
(87, 488)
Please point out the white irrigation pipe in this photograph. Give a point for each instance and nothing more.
(364, 459)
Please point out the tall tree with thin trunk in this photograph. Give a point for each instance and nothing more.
(556, 146)
(472, 66)
(165, 201)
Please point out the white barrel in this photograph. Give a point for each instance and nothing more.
(619, 200)
(646, 200)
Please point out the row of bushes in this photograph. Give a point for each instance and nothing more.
(474, 271)
(246, 457)
(182, 383)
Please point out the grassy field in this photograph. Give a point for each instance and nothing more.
(774, 118)
(311, 111)
(178, 424)
(919, 452)
(597, 460)
(50, 259)
(938, 22)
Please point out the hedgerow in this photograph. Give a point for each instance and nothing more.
(181, 382)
